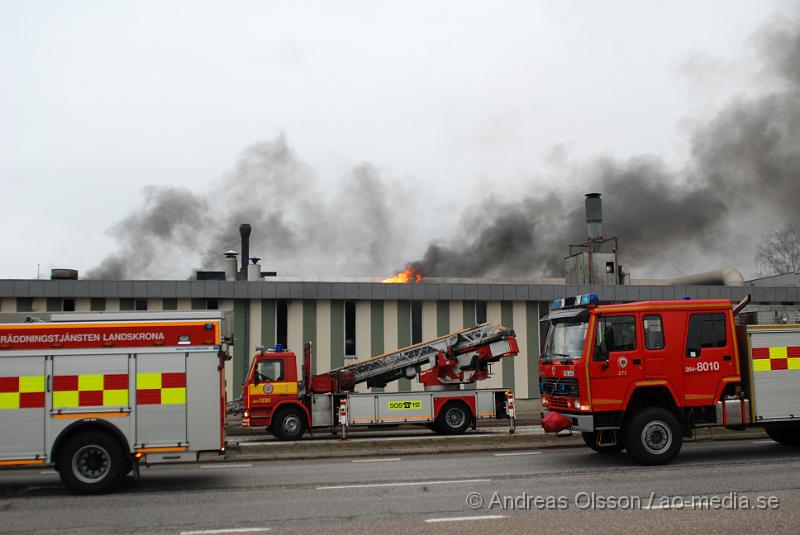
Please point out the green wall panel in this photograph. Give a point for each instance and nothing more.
(376, 332)
(268, 323)
(310, 331)
(507, 320)
(442, 317)
(337, 334)
(404, 335)
(532, 309)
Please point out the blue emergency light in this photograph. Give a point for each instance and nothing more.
(577, 301)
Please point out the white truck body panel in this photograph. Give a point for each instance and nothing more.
(185, 384)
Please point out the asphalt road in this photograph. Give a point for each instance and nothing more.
(550, 491)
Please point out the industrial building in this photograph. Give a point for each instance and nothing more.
(360, 318)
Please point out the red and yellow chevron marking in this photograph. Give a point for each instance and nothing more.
(161, 388)
(92, 390)
(766, 359)
(22, 392)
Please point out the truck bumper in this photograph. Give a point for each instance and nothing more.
(580, 422)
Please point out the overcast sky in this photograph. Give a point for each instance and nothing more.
(451, 99)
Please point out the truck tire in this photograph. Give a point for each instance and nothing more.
(289, 424)
(92, 462)
(454, 418)
(653, 436)
(784, 434)
(590, 438)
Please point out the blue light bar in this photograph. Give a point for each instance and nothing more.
(577, 301)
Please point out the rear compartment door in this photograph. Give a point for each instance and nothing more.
(22, 407)
(161, 399)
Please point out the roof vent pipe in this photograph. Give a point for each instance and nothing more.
(244, 232)
(594, 215)
(254, 270)
(231, 265)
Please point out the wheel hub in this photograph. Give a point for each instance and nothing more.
(91, 463)
(656, 437)
(291, 424)
(454, 417)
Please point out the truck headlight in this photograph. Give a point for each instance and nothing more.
(544, 402)
(577, 404)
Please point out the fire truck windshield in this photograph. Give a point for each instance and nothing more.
(565, 340)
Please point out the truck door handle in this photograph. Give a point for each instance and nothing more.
(637, 361)
(726, 357)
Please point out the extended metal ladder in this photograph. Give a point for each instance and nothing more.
(405, 362)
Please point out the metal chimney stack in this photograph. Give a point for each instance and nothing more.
(244, 231)
(594, 215)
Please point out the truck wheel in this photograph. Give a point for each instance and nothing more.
(289, 424)
(454, 418)
(653, 436)
(784, 434)
(590, 438)
(92, 462)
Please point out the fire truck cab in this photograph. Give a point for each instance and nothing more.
(640, 376)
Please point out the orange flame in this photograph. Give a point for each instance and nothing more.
(410, 274)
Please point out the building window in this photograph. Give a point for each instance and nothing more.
(205, 304)
(126, 303)
(349, 328)
(169, 303)
(56, 304)
(24, 304)
(281, 322)
(480, 311)
(416, 322)
(97, 304)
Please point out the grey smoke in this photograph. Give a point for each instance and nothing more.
(742, 180)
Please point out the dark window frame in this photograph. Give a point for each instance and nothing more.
(703, 332)
(601, 355)
(645, 331)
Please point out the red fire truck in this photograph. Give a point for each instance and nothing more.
(277, 398)
(641, 376)
(97, 394)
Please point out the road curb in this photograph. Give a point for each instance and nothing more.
(505, 443)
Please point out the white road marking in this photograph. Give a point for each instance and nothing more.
(463, 518)
(404, 484)
(375, 460)
(49, 472)
(226, 465)
(770, 441)
(233, 530)
(517, 453)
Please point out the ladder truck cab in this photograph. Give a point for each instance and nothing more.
(641, 376)
(275, 396)
(96, 395)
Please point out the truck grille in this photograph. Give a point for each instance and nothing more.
(559, 403)
(559, 386)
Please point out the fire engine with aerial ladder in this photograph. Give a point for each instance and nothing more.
(288, 404)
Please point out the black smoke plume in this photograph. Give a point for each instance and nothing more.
(741, 181)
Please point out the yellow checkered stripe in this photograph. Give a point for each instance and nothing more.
(766, 359)
(22, 392)
(161, 388)
(90, 390)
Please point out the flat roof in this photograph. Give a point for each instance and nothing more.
(479, 291)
